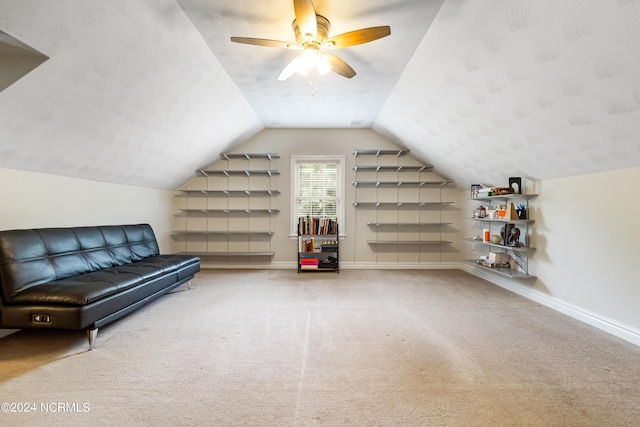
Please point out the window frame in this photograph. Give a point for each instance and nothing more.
(295, 160)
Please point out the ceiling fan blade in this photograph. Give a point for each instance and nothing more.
(364, 35)
(289, 70)
(339, 66)
(265, 42)
(306, 17)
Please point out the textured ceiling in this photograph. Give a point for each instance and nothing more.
(131, 94)
(538, 89)
(337, 101)
(145, 92)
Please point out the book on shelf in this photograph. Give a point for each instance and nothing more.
(308, 263)
(308, 225)
(307, 245)
(302, 264)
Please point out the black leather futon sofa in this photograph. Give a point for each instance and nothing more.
(83, 277)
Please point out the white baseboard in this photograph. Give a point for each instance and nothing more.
(343, 266)
(399, 266)
(251, 266)
(613, 327)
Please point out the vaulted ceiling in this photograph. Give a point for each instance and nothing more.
(144, 92)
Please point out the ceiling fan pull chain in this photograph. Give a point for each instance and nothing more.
(312, 92)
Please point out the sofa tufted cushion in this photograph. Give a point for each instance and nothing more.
(83, 277)
(34, 257)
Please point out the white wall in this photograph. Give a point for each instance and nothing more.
(585, 232)
(354, 250)
(587, 258)
(35, 200)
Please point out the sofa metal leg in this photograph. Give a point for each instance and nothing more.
(188, 284)
(91, 335)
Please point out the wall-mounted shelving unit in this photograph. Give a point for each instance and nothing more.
(520, 255)
(401, 204)
(407, 207)
(228, 211)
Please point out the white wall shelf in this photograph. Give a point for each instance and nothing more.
(233, 211)
(507, 272)
(507, 197)
(378, 153)
(249, 193)
(231, 254)
(223, 232)
(249, 156)
(515, 221)
(403, 204)
(408, 242)
(519, 264)
(399, 183)
(243, 172)
(228, 210)
(502, 247)
(399, 168)
(407, 224)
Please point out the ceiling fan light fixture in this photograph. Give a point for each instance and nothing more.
(302, 70)
(311, 59)
(306, 61)
(312, 34)
(322, 64)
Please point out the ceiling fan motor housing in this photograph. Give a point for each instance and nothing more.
(312, 34)
(323, 32)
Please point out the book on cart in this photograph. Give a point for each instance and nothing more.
(316, 226)
(309, 263)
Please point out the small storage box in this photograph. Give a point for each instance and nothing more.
(499, 257)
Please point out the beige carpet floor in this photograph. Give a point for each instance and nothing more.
(359, 348)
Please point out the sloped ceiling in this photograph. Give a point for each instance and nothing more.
(131, 94)
(337, 102)
(538, 89)
(144, 92)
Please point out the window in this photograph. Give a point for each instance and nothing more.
(317, 188)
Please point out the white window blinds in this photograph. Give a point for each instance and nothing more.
(318, 189)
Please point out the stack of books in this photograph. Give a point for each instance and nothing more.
(309, 263)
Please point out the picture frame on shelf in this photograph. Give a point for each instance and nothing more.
(474, 190)
(515, 184)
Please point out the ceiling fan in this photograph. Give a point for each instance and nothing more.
(312, 36)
